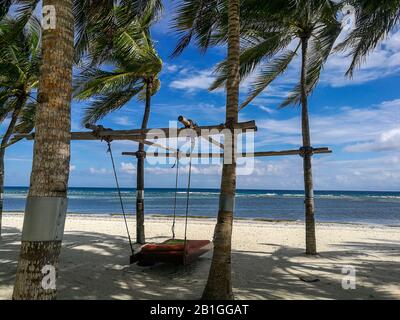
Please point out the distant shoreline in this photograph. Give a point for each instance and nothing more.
(168, 217)
(218, 190)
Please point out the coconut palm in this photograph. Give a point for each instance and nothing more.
(374, 22)
(19, 69)
(202, 21)
(50, 169)
(219, 283)
(49, 178)
(136, 74)
(273, 37)
(97, 21)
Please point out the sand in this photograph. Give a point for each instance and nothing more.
(268, 261)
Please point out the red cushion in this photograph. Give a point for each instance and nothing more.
(156, 247)
(196, 244)
(192, 245)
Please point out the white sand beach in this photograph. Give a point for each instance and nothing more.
(268, 261)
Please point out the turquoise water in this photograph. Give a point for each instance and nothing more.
(339, 206)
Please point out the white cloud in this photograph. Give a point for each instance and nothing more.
(374, 128)
(201, 112)
(384, 61)
(123, 121)
(98, 171)
(267, 110)
(201, 170)
(387, 140)
(197, 80)
(128, 167)
(379, 173)
(381, 63)
(18, 159)
(171, 68)
(72, 168)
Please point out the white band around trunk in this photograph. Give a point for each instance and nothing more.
(44, 219)
(140, 194)
(226, 203)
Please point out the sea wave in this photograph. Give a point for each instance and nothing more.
(257, 195)
(199, 193)
(385, 197)
(110, 194)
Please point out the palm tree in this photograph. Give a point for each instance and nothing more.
(202, 20)
(219, 283)
(269, 35)
(136, 73)
(19, 69)
(46, 202)
(374, 22)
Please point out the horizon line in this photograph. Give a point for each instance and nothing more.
(218, 189)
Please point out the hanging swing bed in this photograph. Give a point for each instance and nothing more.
(176, 251)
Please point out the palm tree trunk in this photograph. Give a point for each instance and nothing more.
(3, 145)
(219, 283)
(140, 235)
(311, 246)
(46, 204)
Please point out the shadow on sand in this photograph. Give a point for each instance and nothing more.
(95, 266)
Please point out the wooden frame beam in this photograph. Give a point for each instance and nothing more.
(241, 155)
(188, 123)
(142, 134)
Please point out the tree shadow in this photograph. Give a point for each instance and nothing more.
(289, 273)
(96, 266)
(9, 250)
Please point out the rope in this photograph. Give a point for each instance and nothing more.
(188, 195)
(188, 185)
(193, 142)
(109, 150)
(176, 193)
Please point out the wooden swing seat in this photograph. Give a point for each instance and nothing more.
(174, 251)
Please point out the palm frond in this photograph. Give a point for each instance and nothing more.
(105, 104)
(95, 81)
(154, 89)
(26, 122)
(251, 57)
(93, 20)
(320, 48)
(374, 22)
(150, 8)
(5, 7)
(6, 105)
(268, 74)
(131, 53)
(19, 61)
(198, 20)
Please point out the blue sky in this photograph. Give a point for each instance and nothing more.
(358, 119)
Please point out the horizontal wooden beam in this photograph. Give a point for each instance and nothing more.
(240, 155)
(143, 134)
(157, 145)
(214, 142)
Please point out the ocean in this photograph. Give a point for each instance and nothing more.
(330, 206)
